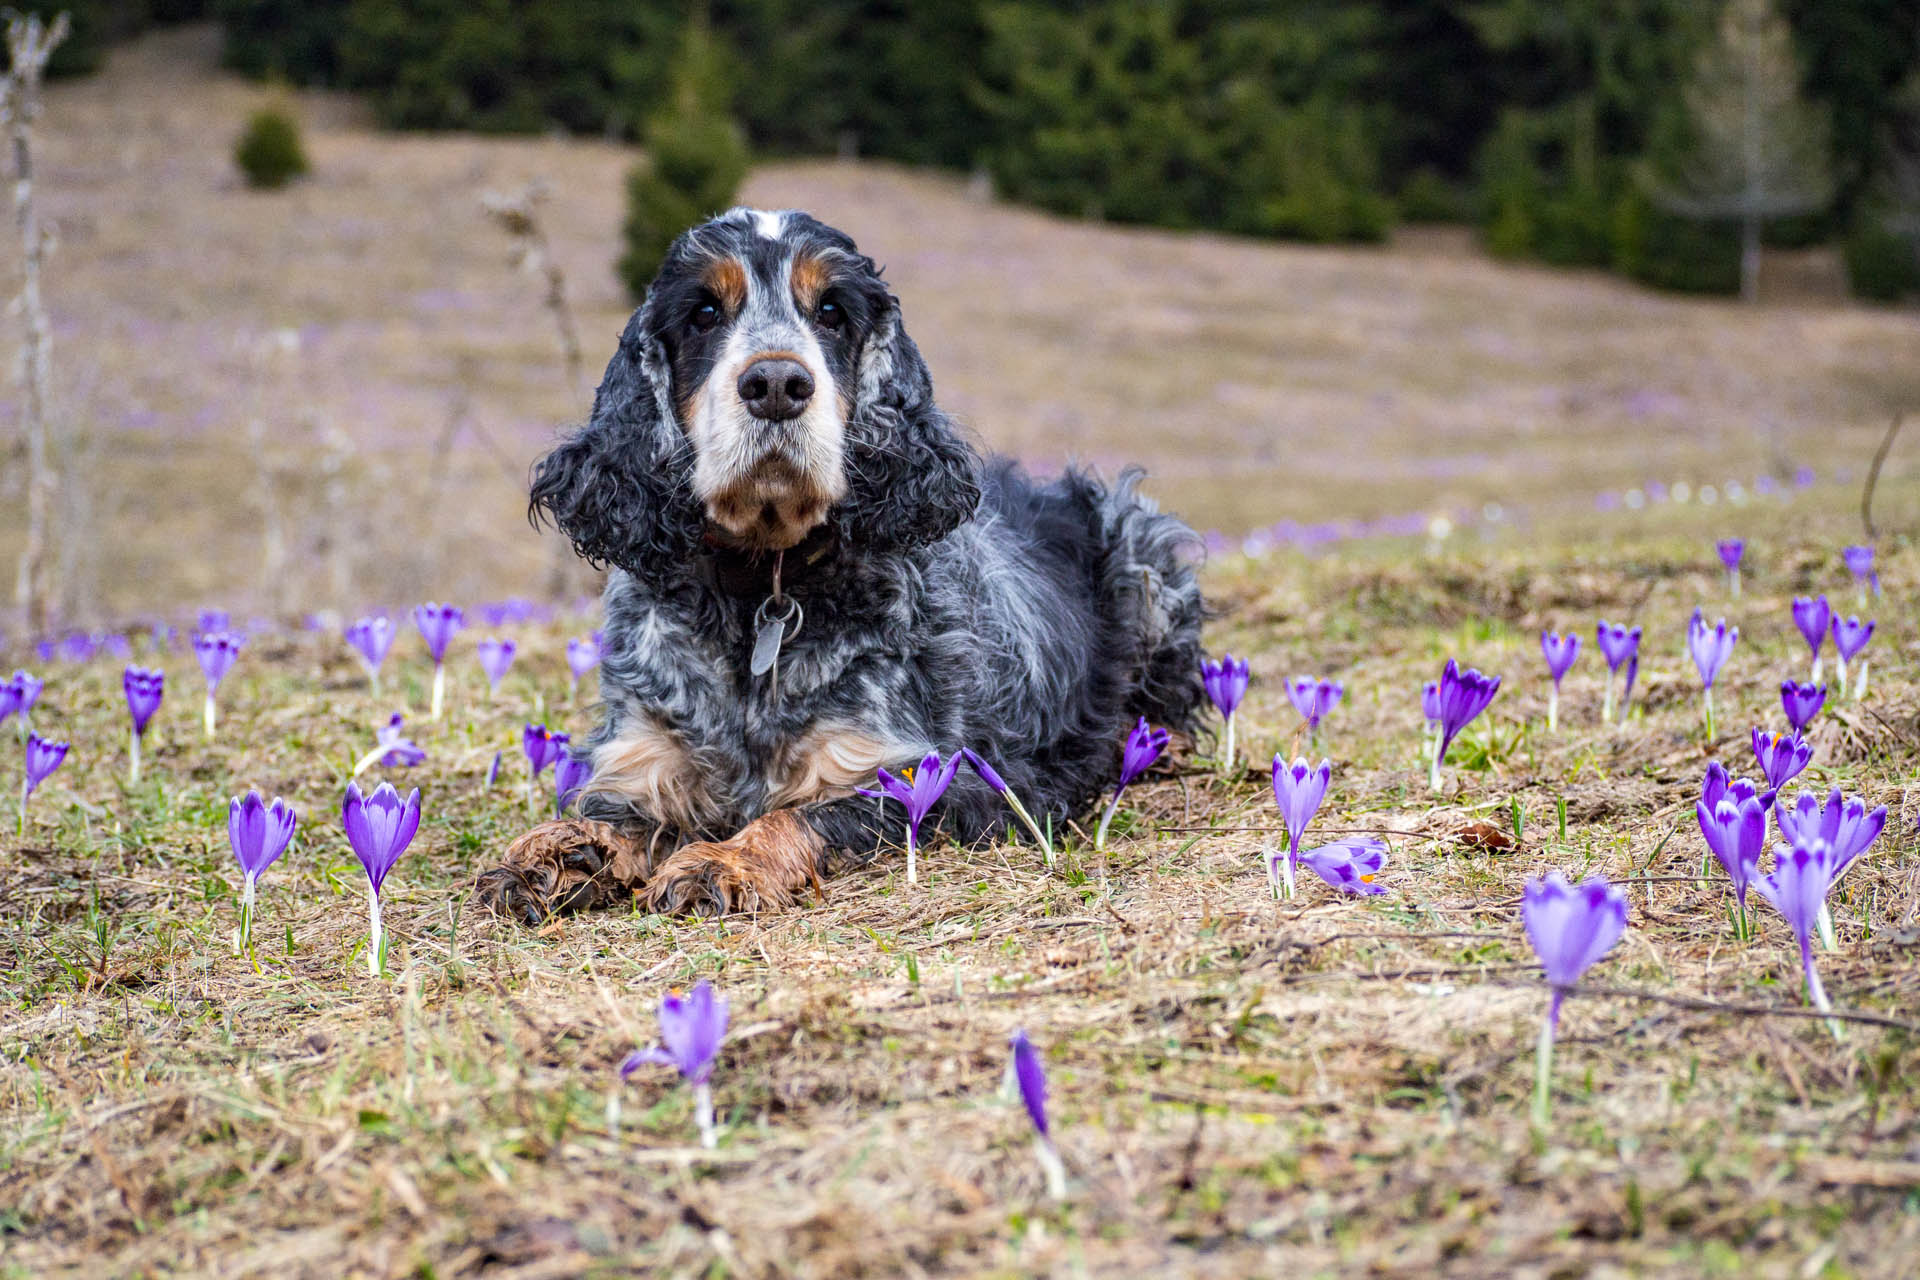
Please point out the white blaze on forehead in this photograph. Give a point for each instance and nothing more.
(769, 223)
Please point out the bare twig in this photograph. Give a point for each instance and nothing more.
(1873, 473)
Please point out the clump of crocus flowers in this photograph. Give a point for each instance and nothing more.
(43, 757)
(144, 689)
(1570, 927)
(1226, 684)
(917, 793)
(1710, 647)
(437, 624)
(372, 638)
(1619, 646)
(1298, 788)
(1030, 1078)
(1850, 636)
(1463, 696)
(216, 651)
(1314, 699)
(1731, 551)
(692, 1028)
(379, 829)
(1844, 824)
(1560, 652)
(991, 776)
(258, 833)
(1143, 746)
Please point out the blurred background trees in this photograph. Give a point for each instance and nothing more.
(1540, 122)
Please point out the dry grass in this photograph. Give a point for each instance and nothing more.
(1256, 381)
(1241, 1087)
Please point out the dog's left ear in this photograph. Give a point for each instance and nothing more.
(911, 479)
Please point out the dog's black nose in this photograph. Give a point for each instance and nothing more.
(775, 390)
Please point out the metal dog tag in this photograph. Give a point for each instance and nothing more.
(766, 646)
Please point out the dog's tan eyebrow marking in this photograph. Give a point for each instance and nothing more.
(810, 278)
(726, 279)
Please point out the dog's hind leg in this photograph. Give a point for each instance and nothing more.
(570, 864)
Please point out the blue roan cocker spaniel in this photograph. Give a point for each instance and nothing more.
(813, 575)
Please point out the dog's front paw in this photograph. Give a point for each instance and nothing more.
(570, 864)
(763, 868)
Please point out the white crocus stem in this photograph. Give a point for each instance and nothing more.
(1840, 672)
(1860, 682)
(1286, 872)
(1553, 708)
(1823, 925)
(373, 931)
(1433, 774)
(209, 714)
(1227, 758)
(1817, 667)
(1020, 812)
(1817, 994)
(703, 1115)
(1709, 696)
(913, 874)
(1543, 1066)
(1734, 576)
(1106, 819)
(246, 914)
(439, 689)
(367, 761)
(133, 758)
(1606, 705)
(1050, 1166)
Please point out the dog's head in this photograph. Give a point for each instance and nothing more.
(766, 387)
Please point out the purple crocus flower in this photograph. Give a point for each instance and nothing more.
(1710, 647)
(1560, 652)
(1844, 825)
(1812, 616)
(379, 828)
(1143, 746)
(392, 748)
(1030, 1077)
(1351, 866)
(1802, 702)
(372, 637)
(493, 770)
(496, 656)
(1313, 699)
(1299, 789)
(258, 833)
(1802, 874)
(583, 655)
(216, 651)
(569, 776)
(213, 620)
(1850, 636)
(924, 786)
(22, 691)
(1618, 644)
(1782, 756)
(1734, 824)
(542, 747)
(1859, 562)
(437, 624)
(1731, 551)
(144, 689)
(991, 776)
(43, 757)
(1463, 696)
(692, 1028)
(1226, 684)
(1570, 927)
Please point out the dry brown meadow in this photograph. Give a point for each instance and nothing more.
(1241, 1087)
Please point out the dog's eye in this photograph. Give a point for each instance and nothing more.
(705, 316)
(830, 314)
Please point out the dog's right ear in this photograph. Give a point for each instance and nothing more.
(619, 487)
